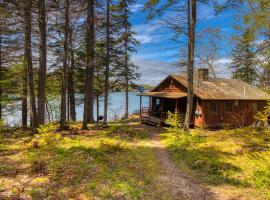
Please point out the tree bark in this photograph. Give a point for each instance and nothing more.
(97, 104)
(72, 103)
(191, 49)
(64, 72)
(126, 60)
(24, 95)
(1, 90)
(42, 62)
(28, 61)
(88, 86)
(106, 97)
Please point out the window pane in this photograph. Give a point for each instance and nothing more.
(255, 107)
(229, 107)
(213, 107)
(157, 101)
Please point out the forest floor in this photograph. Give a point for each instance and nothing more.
(131, 161)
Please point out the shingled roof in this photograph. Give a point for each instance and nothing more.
(223, 89)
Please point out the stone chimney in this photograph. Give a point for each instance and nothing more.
(203, 74)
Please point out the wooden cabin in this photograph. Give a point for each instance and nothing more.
(218, 102)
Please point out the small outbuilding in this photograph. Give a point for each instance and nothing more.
(218, 102)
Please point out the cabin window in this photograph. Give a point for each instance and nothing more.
(213, 108)
(157, 101)
(255, 107)
(228, 107)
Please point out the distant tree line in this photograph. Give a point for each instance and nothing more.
(53, 50)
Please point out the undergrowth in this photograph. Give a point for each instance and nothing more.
(237, 158)
(109, 163)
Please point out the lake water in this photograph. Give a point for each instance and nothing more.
(116, 107)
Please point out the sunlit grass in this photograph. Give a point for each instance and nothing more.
(236, 160)
(111, 163)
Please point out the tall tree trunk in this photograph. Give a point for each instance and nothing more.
(126, 60)
(106, 97)
(64, 72)
(72, 105)
(1, 90)
(42, 62)
(28, 60)
(97, 99)
(89, 73)
(191, 49)
(24, 95)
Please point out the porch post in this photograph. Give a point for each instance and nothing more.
(140, 105)
(176, 106)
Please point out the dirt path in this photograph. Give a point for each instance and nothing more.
(180, 186)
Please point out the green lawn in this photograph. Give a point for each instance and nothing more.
(234, 163)
(113, 163)
(121, 163)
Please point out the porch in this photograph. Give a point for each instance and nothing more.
(160, 103)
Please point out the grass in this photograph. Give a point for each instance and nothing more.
(235, 162)
(113, 163)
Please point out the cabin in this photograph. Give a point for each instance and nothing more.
(218, 102)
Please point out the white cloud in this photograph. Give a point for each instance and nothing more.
(143, 39)
(147, 33)
(222, 67)
(152, 71)
(136, 8)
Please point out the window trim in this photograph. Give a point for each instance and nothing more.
(226, 103)
(257, 107)
(216, 105)
(158, 101)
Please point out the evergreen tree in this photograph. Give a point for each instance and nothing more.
(128, 42)
(244, 59)
(64, 71)
(42, 61)
(90, 45)
(28, 60)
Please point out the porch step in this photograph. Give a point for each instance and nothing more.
(150, 120)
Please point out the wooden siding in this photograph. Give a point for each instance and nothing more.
(170, 85)
(242, 113)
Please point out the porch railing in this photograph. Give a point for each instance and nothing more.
(147, 110)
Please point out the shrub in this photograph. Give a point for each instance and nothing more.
(264, 115)
(47, 128)
(47, 137)
(176, 122)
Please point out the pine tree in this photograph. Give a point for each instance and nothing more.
(88, 86)
(244, 59)
(28, 60)
(71, 92)
(64, 71)
(42, 61)
(129, 42)
(108, 61)
(1, 71)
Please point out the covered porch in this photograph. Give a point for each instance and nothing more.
(160, 103)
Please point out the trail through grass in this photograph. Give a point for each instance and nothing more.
(235, 164)
(114, 163)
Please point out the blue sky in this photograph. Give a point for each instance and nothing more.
(157, 52)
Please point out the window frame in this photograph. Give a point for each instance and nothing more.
(255, 104)
(228, 111)
(216, 106)
(158, 101)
